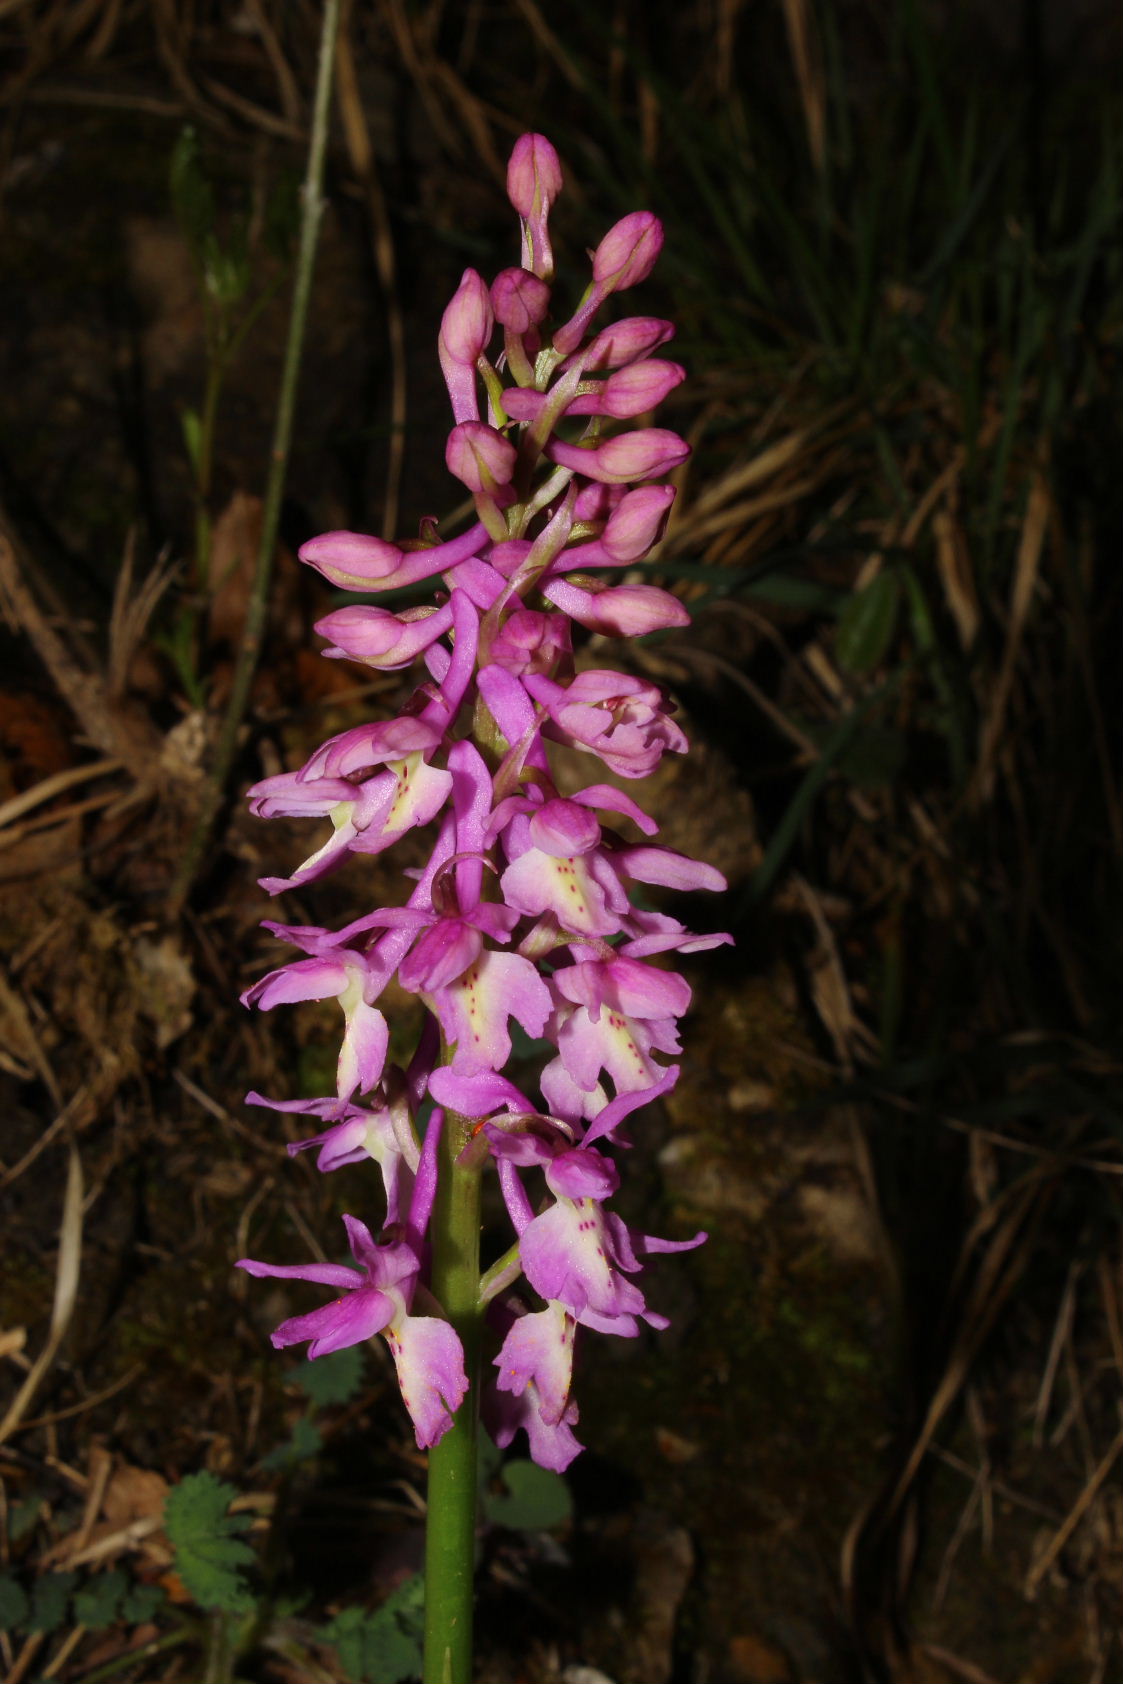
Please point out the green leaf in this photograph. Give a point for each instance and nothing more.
(334, 1378)
(306, 1441)
(48, 1601)
(192, 435)
(866, 624)
(226, 271)
(23, 1517)
(535, 1498)
(98, 1603)
(383, 1647)
(14, 1606)
(209, 1555)
(192, 198)
(141, 1604)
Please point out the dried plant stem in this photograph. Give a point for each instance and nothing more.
(312, 207)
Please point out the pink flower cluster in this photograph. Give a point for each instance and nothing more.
(524, 911)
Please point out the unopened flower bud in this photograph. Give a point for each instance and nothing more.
(618, 610)
(596, 502)
(630, 391)
(534, 180)
(479, 456)
(351, 560)
(520, 300)
(625, 256)
(632, 456)
(633, 527)
(465, 330)
(381, 639)
(531, 642)
(626, 342)
(628, 252)
(356, 562)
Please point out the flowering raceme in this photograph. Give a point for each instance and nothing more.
(524, 912)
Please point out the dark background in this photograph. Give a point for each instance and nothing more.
(881, 1440)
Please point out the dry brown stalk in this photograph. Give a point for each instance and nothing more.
(47, 788)
(1039, 510)
(807, 62)
(996, 1275)
(1064, 1532)
(66, 1295)
(119, 732)
(287, 86)
(1061, 1331)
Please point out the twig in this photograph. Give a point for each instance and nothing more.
(66, 1293)
(47, 788)
(1061, 1331)
(250, 651)
(65, 1119)
(1074, 1517)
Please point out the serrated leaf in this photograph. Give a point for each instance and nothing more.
(98, 1603)
(866, 625)
(49, 1598)
(334, 1378)
(384, 1647)
(209, 1555)
(14, 1606)
(535, 1498)
(141, 1604)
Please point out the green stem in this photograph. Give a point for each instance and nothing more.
(312, 207)
(450, 1533)
(133, 1657)
(220, 1650)
(216, 370)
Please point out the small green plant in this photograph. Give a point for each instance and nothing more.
(210, 1551)
(224, 268)
(384, 1647)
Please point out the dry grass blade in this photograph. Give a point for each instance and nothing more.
(1039, 508)
(75, 1114)
(20, 1032)
(1074, 1517)
(286, 82)
(764, 466)
(953, 563)
(807, 61)
(956, 1665)
(66, 1294)
(131, 613)
(1061, 1331)
(87, 1403)
(66, 1649)
(47, 788)
(132, 739)
(998, 1272)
